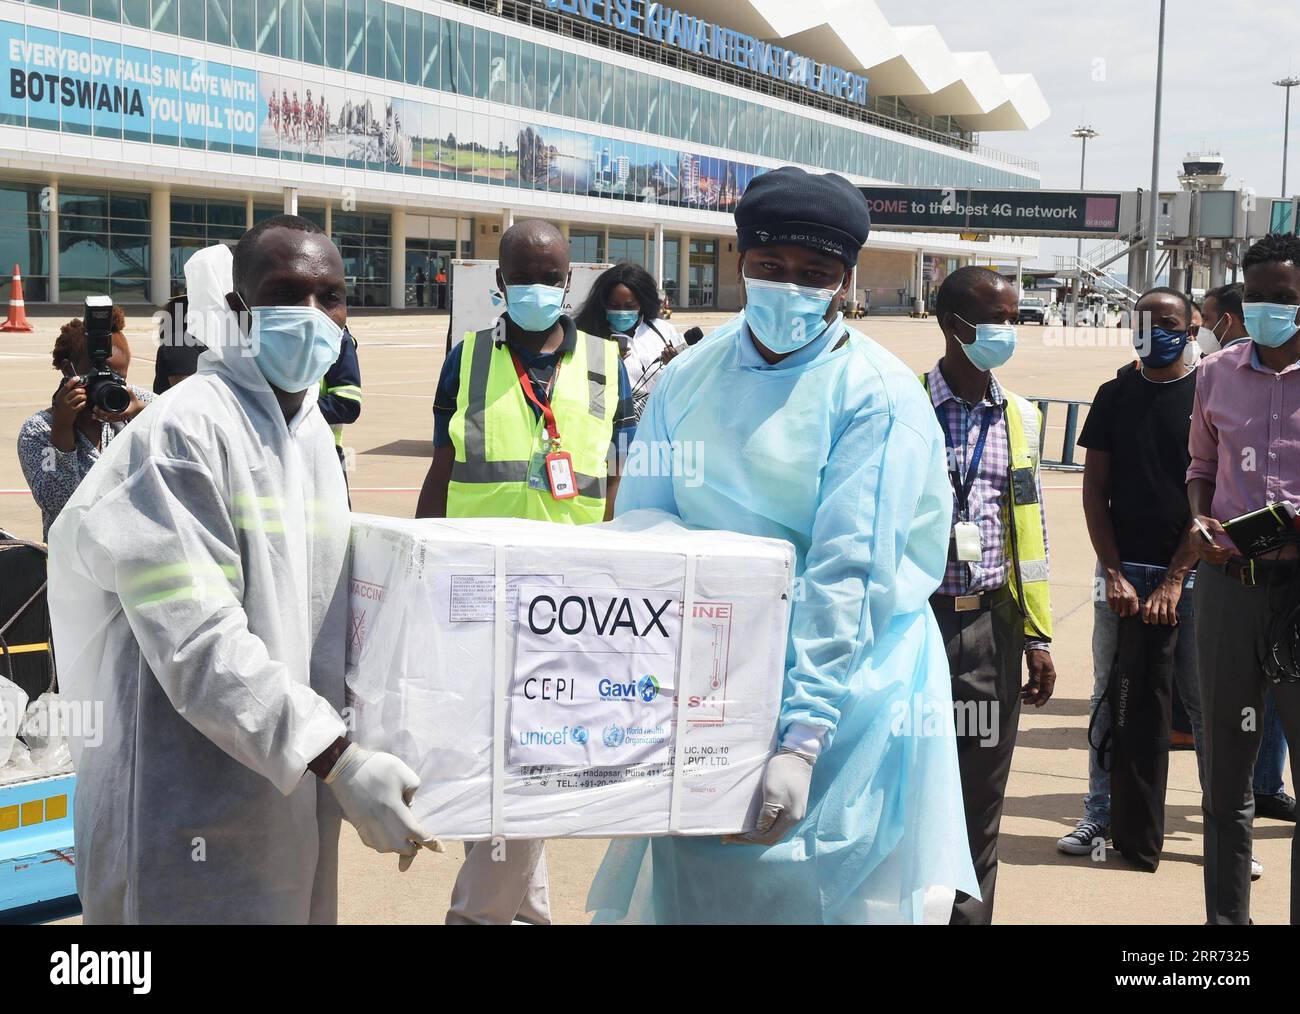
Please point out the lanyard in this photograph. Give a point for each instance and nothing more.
(963, 488)
(548, 414)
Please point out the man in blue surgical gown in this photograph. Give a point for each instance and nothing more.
(812, 433)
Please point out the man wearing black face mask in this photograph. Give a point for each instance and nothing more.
(1136, 441)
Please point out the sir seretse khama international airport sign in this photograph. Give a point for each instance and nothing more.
(997, 212)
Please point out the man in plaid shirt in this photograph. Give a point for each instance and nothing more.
(992, 606)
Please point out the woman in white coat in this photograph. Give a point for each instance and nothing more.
(624, 305)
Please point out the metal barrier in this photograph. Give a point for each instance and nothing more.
(1066, 463)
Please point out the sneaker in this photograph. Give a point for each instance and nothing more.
(1082, 840)
(1256, 868)
(1275, 807)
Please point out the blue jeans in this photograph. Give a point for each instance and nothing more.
(1271, 760)
(1105, 638)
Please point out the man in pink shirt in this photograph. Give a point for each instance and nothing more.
(1245, 451)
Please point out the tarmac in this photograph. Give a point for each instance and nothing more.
(401, 354)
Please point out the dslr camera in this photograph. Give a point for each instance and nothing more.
(105, 390)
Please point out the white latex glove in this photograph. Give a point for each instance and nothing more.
(375, 790)
(786, 781)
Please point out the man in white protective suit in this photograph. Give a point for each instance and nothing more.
(198, 599)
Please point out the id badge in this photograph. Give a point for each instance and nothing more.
(537, 472)
(559, 470)
(966, 534)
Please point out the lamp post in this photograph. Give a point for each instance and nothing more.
(1084, 134)
(1288, 83)
(1153, 213)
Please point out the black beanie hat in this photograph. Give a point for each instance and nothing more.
(824, 212)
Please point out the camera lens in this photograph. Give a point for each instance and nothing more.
(112, 398)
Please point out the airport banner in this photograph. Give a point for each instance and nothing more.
(994, 212)
(62, 81)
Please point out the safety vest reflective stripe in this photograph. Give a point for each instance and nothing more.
(1022, 525)
(1028, 550)
(490, 468)
(349, 391)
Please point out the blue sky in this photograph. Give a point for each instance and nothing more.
(1096, 64)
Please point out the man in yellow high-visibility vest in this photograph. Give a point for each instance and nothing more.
(992, 606)
(529, 417)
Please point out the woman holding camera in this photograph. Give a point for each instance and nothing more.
(58, 445)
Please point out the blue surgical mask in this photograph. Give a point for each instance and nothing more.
(535, 307)
(1270, 324)
(993, 345)
(293, 346)
(783, 316)
(1162, 348)
(623, 321)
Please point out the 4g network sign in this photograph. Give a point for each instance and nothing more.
(1000, 212)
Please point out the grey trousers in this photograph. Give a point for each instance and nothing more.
(985, 653)
(500, 884)
(1231, 624)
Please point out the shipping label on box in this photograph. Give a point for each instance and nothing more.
(595, 676)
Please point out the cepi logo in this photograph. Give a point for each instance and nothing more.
(613, 736)
(646, 688)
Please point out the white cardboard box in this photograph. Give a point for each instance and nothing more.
(550, 710)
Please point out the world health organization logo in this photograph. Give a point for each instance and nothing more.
(579, 734)
(648, 688)
(614, 736)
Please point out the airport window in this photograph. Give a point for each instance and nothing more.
(627, 248)
(334, 33)
(135, 13)
(672, 258)
(192, 18)
(363, 240)
(313, 31)
(109, 10)
(218, 21)
(464, 46)
(586, 247)
(103, 235)
(429, 71)
(268, 26)
(356, 36)
(375, 38)
(394, 44)
(290, 29)
(243, 23)
(704, 269)
(412, 66)
(25, 237)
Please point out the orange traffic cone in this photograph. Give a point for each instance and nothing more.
(17, 310)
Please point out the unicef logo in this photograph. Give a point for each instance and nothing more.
(648, 688)
(614, 736)
(579, 734)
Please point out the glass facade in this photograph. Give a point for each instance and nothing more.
(672, 260)
(702, 287)
(391, 41)
(633, 249)
(586, 247)
(432, 257)
(103, 235)
(25, 238)
(363, 240)
(198, 222)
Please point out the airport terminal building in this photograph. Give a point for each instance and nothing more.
(138, 131)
